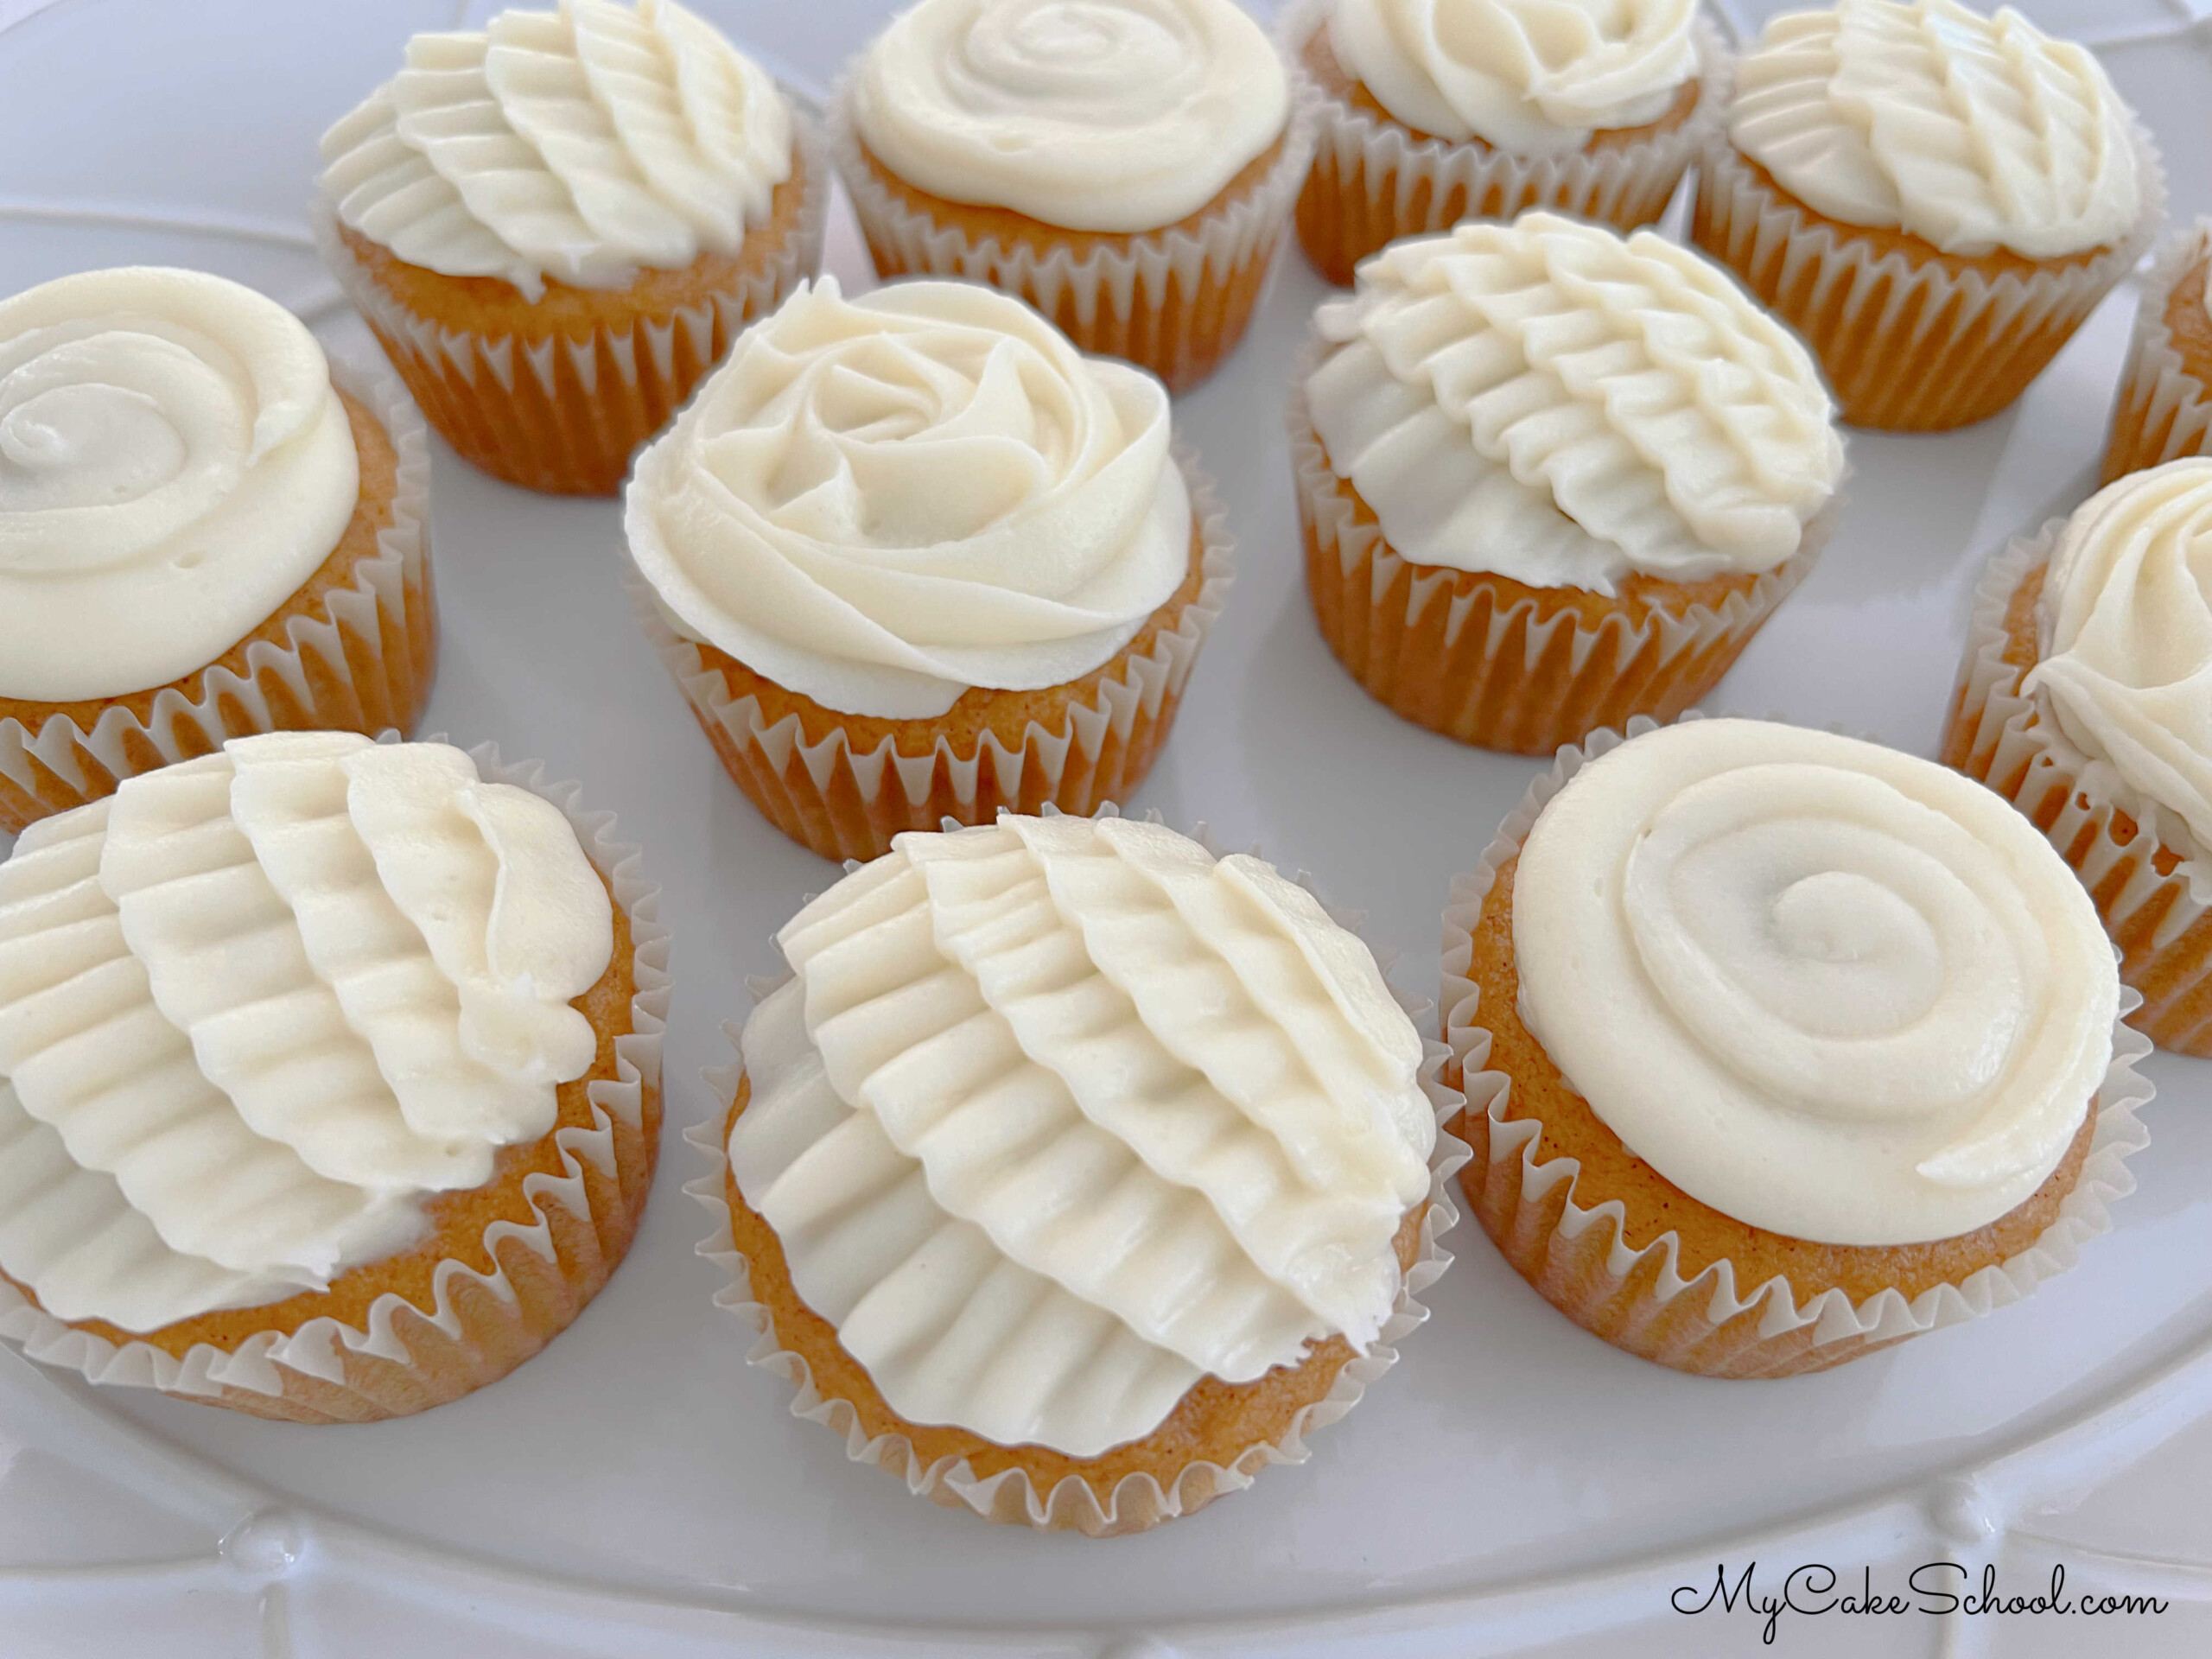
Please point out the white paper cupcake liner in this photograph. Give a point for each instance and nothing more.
(1906, 346)
(1512, 1187)
(2112, 835)
(1138, 1502)
(561, 412)
(843, 803)
(482, 1325)
(1373, 181)
(2161, 411)
(363, 662)
(1174, 302)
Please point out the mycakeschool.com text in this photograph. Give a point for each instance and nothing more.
(1932, 1590)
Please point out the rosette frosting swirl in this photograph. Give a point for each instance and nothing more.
(173, 464)
(1971, 132)
(1058, 1115)
(881, 502)
(579, 144)
(2124, 626)
(1547, 401)
(1536, 77)
(254, 1007)
(1096, 115)
(1834, 991)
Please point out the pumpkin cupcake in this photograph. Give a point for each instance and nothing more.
(1550, 479)
(911, 556)
(2163, 410)
(1126, 165)
(555, 225)
(1435, 110)
(205, 531)
(1933, 199)
(1075, 1173)
(329, 1075)
(1781, 1047)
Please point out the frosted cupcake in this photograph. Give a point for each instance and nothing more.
(203, 533)
(1933, 199)
(2163, 410)
(329, 1075)
(1781, 1047)
(2081, 701)
(1126, 165)
(911, 556)
(1075, 1173)
(1435, 110)
(556, 225)
(1550, 479)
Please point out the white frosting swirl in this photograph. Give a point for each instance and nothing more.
(578, 144)
(1550, 403)
(1973, 133)
(173, 464)
(1834, 991)
(1096, 115)
(2123, 628)
(1536, 77)
(881, 502)
(1058, 1115)
(254, 1007)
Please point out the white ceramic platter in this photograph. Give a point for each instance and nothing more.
(637, 1488)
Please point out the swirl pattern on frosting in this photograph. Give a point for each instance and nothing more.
(1536, 77)
(173, 464)
(1552, 402)
(1971, 132)
(256, 1005)
(579, 144)
(2123, 628)
(881, 502)
(1058, 1115)
(1116, 116)
(1834, 991)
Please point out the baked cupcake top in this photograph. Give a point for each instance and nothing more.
(1971, 132)
(256, 1006)
(1834, 991)
(173, 463)
(881, 502)
(2124, 641)
(1093, 115)
(578, 145)
(1056, 1117)
(1548, 402)
(1536, 77)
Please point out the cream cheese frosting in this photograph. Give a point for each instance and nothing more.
(1550, 403)
(1834, 991)
(881, 502)
(173, 464)
(256, 1006)
(1058, 1115)
(580, 145)
(1536, 77)
(2124, 632)
(1116, 116)
(1971, 132)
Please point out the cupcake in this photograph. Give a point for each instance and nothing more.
(205, 531)
(1933, 199)
(911, 556)
(2163, 409)
(1781, 1047)
(329, 1075)
(1549, 479)
(1075, 1173)
(1125, 166)
(556, 224)
(1435, 110)
(2081, 701)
